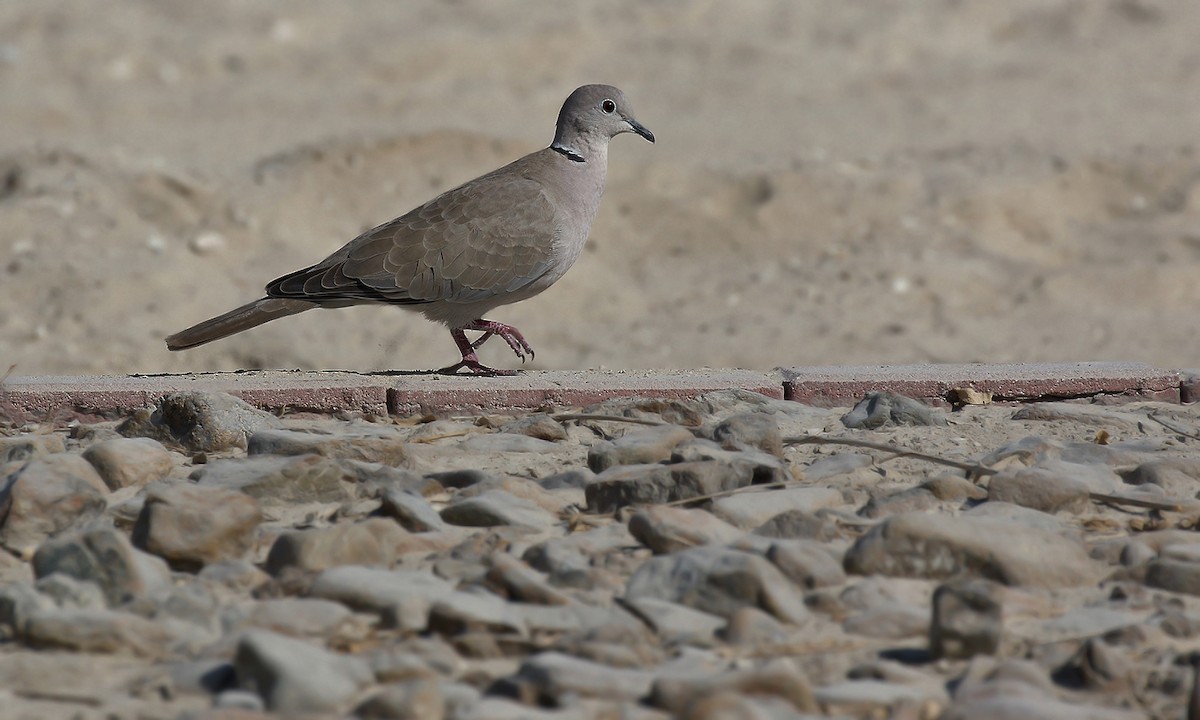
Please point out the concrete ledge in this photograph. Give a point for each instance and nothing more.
(1103, 381)
(529, 390)
(90, 398)
(62, 399)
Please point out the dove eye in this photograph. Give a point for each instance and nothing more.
(608, 106)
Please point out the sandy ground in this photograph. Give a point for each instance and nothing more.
(833, 183)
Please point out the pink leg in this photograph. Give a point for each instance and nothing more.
(470, 360)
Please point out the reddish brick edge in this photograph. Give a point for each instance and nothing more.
(527, 391)
(934, 384)
(63, 399)
(92, 398)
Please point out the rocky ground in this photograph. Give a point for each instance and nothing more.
(728, 556)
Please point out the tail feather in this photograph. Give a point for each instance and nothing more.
(243, 318)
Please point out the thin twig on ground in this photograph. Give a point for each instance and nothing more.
(607, 418)
(1172, 428)
(973, 468)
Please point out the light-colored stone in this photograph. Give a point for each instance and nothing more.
(45, 496)
(295, 676)
(191, 526)
(940, 546)
(103, 555)
(125, 462)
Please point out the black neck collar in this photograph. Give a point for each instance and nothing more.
(567, 152)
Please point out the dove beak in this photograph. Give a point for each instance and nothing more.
(640, 129)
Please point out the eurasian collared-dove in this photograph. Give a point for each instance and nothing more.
(500, 238)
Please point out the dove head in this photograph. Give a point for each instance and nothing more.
(592, 115)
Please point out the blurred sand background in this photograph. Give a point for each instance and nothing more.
(834, 182)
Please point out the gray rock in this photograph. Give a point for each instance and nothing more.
(538, 425)
(464, 478)
(872, 698)
(200, 421)
(97, 631)
(679, 695)
(190, 602)
(18, 601)
(887, 409)
(521, 582)
(993, 690)
(294, 676)
(639, 447)
(1131, 553)
(893, 621)
(1097, 476)
(1174, 575)
(1026, 451)
(238, 576)
(676, 623)
(591, 625)
(1040, 489)
(718, 581)
(237, 700)
(941, 546)
(574, 478)
(205, 676)
(301, 617)
(1187, 552)
(751, 626)
(564, 565)
(364, 442)
(799, 525)
(996, 511)
(1084, 622)
(375, 541)
(71, 593)
(103, 555)
(411, 510)
(505, 443)
(29, 447)
(419, 699)
(689, 413)
(807, 563)
(727, 704)
(276, 481)
(954, 488)
(749, 510)
(497, 507)
(460, 612)
(191, 526)
(749, 430)
(908, 500)
(968, 619)
(624, 485)
(551, 677)
(1093, 415)
(46, 496)
(125, 462)
(666, 529)
(1097, 665)
(763, 467)
(1002, 706)
(832, 466)
(416, 657)
(1178, 476)
(375, 590)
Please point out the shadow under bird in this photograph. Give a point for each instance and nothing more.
(498, 239)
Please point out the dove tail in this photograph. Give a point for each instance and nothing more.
(243, 318)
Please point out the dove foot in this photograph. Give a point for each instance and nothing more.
(474, 367)
(470, 361)
(511, 335)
